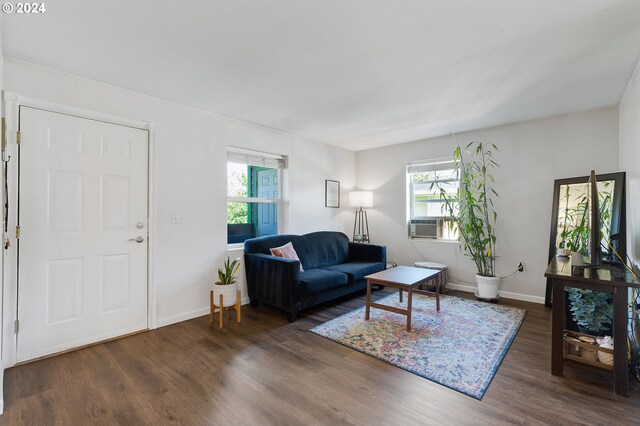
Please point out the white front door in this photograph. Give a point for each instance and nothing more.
(82, 197)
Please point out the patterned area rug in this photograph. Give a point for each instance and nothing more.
(460, 347)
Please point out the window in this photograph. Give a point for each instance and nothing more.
(427, 214)
(254, 182)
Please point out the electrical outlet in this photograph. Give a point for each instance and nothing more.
(520, 267)
(175, 218)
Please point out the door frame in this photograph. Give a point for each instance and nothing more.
(12, 103)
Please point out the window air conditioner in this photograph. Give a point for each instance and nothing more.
(426, 228)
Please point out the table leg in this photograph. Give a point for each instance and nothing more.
(368, 301)
(409, 293)
(557, 328)
(620, 371)
(400, 293)
(438, 295)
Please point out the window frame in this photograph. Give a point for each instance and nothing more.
(432, 165)
(269, 160)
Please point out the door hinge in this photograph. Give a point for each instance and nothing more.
(16, 326)
(18, 232)
(18, 138)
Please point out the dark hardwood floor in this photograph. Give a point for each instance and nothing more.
(267, 371)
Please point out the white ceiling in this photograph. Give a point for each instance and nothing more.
(352, 73)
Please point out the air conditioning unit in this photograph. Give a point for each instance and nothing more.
(426, 228)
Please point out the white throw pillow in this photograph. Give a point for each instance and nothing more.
(287, 251)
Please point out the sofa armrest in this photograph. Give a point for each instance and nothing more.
(368, 253)
(273, 280)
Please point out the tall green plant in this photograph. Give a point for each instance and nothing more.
(575, 230)
(575, 226)
(472, 208)
(606, 209)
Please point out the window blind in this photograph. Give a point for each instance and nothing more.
(255, 158)
(433, 166)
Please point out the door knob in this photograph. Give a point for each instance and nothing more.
(137, 240)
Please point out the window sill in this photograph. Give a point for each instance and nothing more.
(434, 240)
(235, 246)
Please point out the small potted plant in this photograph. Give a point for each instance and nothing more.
(227, 285)
(472, 210)
(591, 310)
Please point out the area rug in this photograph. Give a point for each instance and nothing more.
(460, 347)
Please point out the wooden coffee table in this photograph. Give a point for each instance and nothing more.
(404, 278)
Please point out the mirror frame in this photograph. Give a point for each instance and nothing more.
(618, 216)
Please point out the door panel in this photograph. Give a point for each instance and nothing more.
(267, 214)
(83, 188)
(65, 199)
(114, 191)
(114, 282)
(64, 290)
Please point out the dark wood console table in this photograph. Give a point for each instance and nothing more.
(599, 279)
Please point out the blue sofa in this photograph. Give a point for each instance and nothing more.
(333, 267)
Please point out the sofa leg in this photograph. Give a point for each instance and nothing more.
(292, 316)
(380, 287)
(254, 302)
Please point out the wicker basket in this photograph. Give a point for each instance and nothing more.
(590, 354)
(606, 346)
(605, 358)
(586, 353)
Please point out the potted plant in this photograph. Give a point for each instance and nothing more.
(472, 211)
(591, 310)
(226, 284)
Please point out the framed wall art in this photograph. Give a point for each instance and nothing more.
(332, 193)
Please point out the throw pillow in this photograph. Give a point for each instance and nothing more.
(287, 251)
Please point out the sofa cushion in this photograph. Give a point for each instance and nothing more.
(314, 281)
(357, 270)
(332, 248)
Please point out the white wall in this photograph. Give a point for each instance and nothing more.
(630, 162)
(191, 180)
(532, 155)
(191, 177)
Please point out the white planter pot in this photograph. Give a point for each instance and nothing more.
(229, 294)
(487, 287)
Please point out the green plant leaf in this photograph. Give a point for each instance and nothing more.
(475, 209)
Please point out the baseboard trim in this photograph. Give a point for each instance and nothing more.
(185, 316)
(505, 294)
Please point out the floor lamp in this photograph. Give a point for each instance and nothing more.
(361, 199)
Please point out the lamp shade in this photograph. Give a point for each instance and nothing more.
(361, 199)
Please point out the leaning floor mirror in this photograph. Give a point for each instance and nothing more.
(569, 217)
